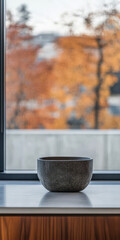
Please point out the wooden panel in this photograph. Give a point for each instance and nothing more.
(60, 228)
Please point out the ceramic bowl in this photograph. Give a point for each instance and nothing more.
(65, 174)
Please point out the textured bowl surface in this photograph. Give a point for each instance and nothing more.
(65, 174)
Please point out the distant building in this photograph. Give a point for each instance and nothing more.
(44, 38)
(114, 99)
(48, 48)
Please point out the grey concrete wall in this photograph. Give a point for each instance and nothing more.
(23, 147)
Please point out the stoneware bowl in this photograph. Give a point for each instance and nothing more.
(65, 174)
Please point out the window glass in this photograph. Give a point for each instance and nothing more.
(62, 81)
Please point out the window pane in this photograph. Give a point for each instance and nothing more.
(62, 81)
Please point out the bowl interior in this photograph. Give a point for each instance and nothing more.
(62, 158)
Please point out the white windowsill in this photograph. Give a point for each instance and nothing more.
(32, 198)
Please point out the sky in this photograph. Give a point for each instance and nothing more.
(44, 13)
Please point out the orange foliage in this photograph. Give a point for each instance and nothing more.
(75, 84)
(84, 71)
(28, 82)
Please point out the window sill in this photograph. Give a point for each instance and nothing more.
(18, 197)
(32, 175)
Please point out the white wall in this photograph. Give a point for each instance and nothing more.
(23, 147)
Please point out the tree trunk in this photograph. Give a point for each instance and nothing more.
(100, 80)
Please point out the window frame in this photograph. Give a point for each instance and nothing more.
(24, 175)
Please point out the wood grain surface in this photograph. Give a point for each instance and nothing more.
(60, 227)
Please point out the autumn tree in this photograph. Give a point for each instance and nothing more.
(72, 88)
(85, 69)
(28, 81)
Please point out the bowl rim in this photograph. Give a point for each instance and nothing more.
(64, 159)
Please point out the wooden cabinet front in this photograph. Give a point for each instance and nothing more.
(60, 227)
